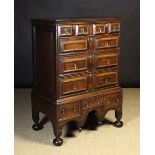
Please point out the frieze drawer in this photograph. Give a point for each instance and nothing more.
(69, 111)
(113, 99)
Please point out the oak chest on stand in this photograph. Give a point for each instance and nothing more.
(75, 71)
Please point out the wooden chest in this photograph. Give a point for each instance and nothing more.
(76, 71)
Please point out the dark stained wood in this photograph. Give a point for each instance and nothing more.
(76, 68)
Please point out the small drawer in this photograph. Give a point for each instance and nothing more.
(72, 44)
(69, 111)
(113, 99)
(106, 77)
(82, 29)
(106, 59)
(73, 63)
(114, 27)
(106, 42)
(65, 30)
(99, 28)
(72, 83)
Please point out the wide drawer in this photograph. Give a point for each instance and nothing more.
(105, 77)
(69, 111)
(113, 99)
(106, 42)
(72, 83)
(72, 44)
(73, 63)
(105, 59)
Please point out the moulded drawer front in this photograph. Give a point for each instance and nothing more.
(65, 30)
(113, 99)
(106, 42)
(92, 102)
(82, 29)
(105, 78)
(72, 83)
(114, 27)
(73, 63)
(104, 60)
(69, 111)
(70, 45)
(99, 28)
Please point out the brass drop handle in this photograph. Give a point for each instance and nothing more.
(98, 102)
(90, 56)
(75, 47)
(75, 66)
(63, 111)
(107, 61)
(74, 87)
(91, 38)
(108, 101)
(100, 30)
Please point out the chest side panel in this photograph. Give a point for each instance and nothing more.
(44, 59)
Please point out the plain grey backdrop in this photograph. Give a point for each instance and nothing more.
(128, 10)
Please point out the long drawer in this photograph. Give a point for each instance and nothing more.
(72, 44)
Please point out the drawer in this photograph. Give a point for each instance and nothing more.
(106, 42)
(114, 27)
(105, 77)
(113, 99)
(72, 83)
(65, 30)
(73, 63)
(69, 111)
(99, 28)
(72, 44)
(82, 29)
(92, 102)
(106, 59)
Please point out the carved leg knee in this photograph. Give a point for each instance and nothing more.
(36, 126)
(118, 115)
